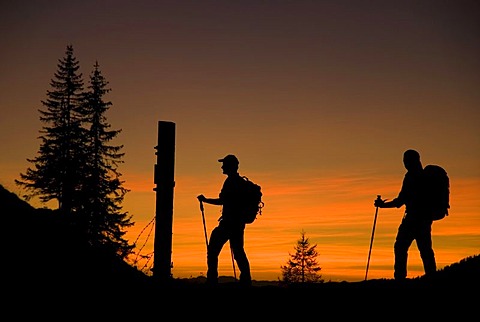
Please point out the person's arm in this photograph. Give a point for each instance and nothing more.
(398, 201)
(212, 201)
(395, 203)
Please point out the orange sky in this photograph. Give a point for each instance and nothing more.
(336, 213)
(318, 100)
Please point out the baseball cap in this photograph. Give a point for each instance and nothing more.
(229, 159)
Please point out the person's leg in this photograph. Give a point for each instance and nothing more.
(238, 250)
(424, 244)
(402, 243)
(218, 238)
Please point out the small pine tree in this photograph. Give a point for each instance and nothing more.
(302, 267)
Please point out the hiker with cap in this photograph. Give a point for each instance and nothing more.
(230, 225)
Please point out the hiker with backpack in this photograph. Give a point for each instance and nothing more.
(231, 226)
(416, 223)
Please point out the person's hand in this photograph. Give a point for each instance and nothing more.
(379, 203)
(201, 198)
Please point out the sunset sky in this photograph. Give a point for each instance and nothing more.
(317, 99)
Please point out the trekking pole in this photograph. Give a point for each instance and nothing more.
(371, 239)
(204, 225)
(233, 263)
(206, 238)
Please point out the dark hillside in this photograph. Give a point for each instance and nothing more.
(45, 251)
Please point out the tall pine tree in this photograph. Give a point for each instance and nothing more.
(56, 172)
(103, 190)
(302, 267)
(75, 164)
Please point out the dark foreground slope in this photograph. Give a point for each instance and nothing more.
(42, 255)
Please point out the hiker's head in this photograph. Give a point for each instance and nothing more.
(411, 160)
(230, 164)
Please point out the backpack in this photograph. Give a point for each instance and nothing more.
(252, 200)
(436, 191)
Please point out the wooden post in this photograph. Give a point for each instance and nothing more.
(165, 183)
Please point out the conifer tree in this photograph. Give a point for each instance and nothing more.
(103, 190)
(75, 164)
(56, 170)
(302, 267)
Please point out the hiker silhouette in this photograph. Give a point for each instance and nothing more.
(230, 225)
(416, 223)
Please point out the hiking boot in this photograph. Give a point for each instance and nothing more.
(211, 282)
(246, 282)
